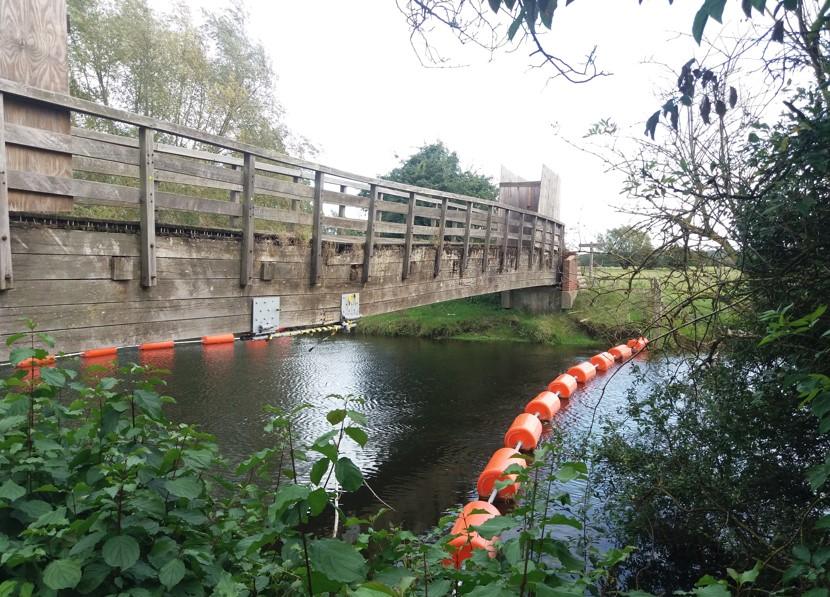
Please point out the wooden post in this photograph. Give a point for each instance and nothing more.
(246, 269)
(486, 258)
(558, 263)
(233, 197)
(341, 209)
(465, 257)
(317, 229)
(147, 205)
(533, 242)
(442, 228)
(520, 241)
(6, 277)
(407, 247)
(544, 242)
(369, 246)
(504, 239)
(295, 203)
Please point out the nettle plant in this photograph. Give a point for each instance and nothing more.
(100, 494)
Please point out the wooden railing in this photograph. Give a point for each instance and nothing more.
(151, 166)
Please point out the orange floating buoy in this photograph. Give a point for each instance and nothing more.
(99, 352)
(621, 352)
(464, 540)
(545, 405)
(583, 372)
(221, 339)
(602, 361)
(494, 471)
(526, 429)
(638, 344)
(564, 385)
(33, 362)
(156, 345)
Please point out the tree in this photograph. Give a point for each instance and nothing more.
(213, 77)
(436, 167)
(625, 246)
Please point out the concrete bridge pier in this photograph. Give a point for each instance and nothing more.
(546, 299)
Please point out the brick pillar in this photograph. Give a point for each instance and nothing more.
(570, 280)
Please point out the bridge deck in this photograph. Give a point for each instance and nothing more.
(170, 232)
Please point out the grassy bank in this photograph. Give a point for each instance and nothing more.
(477, 319)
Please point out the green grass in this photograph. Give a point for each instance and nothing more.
(479, 319)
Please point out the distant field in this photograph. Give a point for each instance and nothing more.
(618, 299)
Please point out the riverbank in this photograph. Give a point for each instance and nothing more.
(479, 319)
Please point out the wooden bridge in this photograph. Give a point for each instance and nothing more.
(153, 231)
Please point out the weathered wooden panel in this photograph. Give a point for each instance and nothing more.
(64, 282)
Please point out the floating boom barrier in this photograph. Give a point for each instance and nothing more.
(524, 434)
(33, 364)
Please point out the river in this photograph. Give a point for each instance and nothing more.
(436, 409)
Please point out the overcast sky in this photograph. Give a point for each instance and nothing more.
(350, 81)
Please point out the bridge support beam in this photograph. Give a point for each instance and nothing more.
(6, 278)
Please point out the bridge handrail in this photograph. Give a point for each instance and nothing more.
(242, 180)
(93, 109)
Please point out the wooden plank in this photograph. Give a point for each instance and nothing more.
(317, 228)
(442, 226)
(6, 276)
(520, 241)
(407, 250)
(233, 197)
(544, 242)
(487, 237)
(147, 206)
(246, 267)
(369, 246)
(532, 242)
(504, 240)
(467, 225)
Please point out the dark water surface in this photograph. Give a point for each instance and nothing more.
(436, 410)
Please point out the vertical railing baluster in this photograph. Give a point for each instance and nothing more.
(246, 270)
(147, 205)
(233, 197)
(504, 240)
(317, 228)
(486, 256)
(442, 228)
(6, 275)
(407, 248)
(341, 209)
(544, 242)
(468, 222)
(533, 243)
(295, 203)
(520, 242)
(369, 246)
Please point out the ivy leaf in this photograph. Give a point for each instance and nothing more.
(348, 475)
(338, 560)
(172, 573)
(121, 551)
(184, 487)
(358, 435)
(62, 574)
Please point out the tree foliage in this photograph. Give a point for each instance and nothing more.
(434, 166)
(212, 77)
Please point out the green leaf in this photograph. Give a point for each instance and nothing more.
(14, 338)
(121, 551)
(357, 416)
(514, 26)
(172, 573)
(11, 490)
(570, 471)
(318, 469)
(494, 526)
(337, 416)
(148, 402)
(289, 495)
(62, 574)
(185, 487)
(494, 5)
(358, 435)
(17, 355)
(317, 501)
(348, 475)
(338, 560)
(54, 377)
